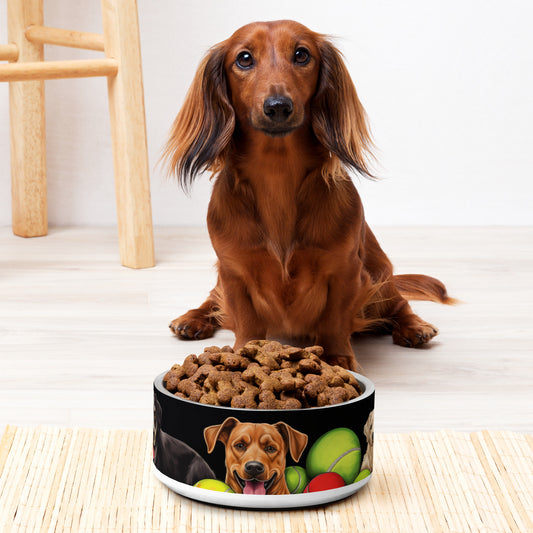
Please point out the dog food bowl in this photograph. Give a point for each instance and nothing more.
(294, 457)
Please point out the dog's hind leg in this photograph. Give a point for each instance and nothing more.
(409, 329)
(392, 314)
(390, 308)
(199, 323)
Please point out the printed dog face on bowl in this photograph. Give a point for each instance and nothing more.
(256, 454)
(261, 458)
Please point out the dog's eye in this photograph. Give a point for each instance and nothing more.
(245, 60)
(240, 446)
(302, 56)
(270, 449)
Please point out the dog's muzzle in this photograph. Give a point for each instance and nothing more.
(252, 485)
(278, 117)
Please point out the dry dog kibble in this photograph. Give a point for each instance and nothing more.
(308, 366)
(190, 365)
(263, 374)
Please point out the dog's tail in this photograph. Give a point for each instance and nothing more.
(421, 287)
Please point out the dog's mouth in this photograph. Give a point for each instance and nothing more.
(254, 485)
(276, 129)
(277, 132)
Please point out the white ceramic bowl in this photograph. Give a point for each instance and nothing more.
(194, 442)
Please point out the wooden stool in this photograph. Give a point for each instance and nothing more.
(26, 73)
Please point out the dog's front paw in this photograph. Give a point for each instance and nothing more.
(413, 332)
(192, 326)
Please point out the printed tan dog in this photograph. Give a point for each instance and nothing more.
(255, 454)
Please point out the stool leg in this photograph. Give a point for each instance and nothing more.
(27, 122)
(128, 129)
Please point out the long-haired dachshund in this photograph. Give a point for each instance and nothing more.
(274, 115)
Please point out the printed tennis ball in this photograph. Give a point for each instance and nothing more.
(327, 481)
(214, 484)
(337, 451)
(364, 473)
(296, 478)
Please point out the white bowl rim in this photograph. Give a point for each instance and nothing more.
(366, 383)
(267, 501)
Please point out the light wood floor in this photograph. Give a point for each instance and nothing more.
(81, 338)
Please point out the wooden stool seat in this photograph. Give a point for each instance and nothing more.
(121, 65)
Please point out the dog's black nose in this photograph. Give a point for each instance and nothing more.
(277, 108)
(254, 468)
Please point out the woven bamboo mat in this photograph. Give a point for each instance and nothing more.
(54, 479)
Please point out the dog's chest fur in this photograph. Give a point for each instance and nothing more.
(286, 267)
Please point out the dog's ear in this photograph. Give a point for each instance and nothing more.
(204, 125)
(219, 432)
(294, 440)
(338, 117)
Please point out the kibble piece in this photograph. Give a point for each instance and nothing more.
(209, 358)
(209, 398)
(212, 349)
(314, 387)
(296, 399)
(188, 387)
(201, 374)
(290, 366)
(332, 378)
(234, 361)
(246, 400)
(249, 351)
(256, 374)
(225, 393)
(308, 366)
(282, 380)
(267, 400)
(292, 353)
(317, 350)
(291, 403)
(195, 395)
(190, 365)
(267, 359)
(260, 343)
(346, 376)
(352, 391)
(177, 371)
(332, 396)
(172, 383)
(272, 346)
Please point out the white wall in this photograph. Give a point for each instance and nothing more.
(447, 86)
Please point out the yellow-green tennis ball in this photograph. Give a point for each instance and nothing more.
(214, 484)
(364, 473)
(337, 451)
(296, 478)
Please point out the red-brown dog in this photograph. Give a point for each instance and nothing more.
(273, 113)
(255, 454)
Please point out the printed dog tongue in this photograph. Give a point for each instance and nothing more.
(254, 487)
